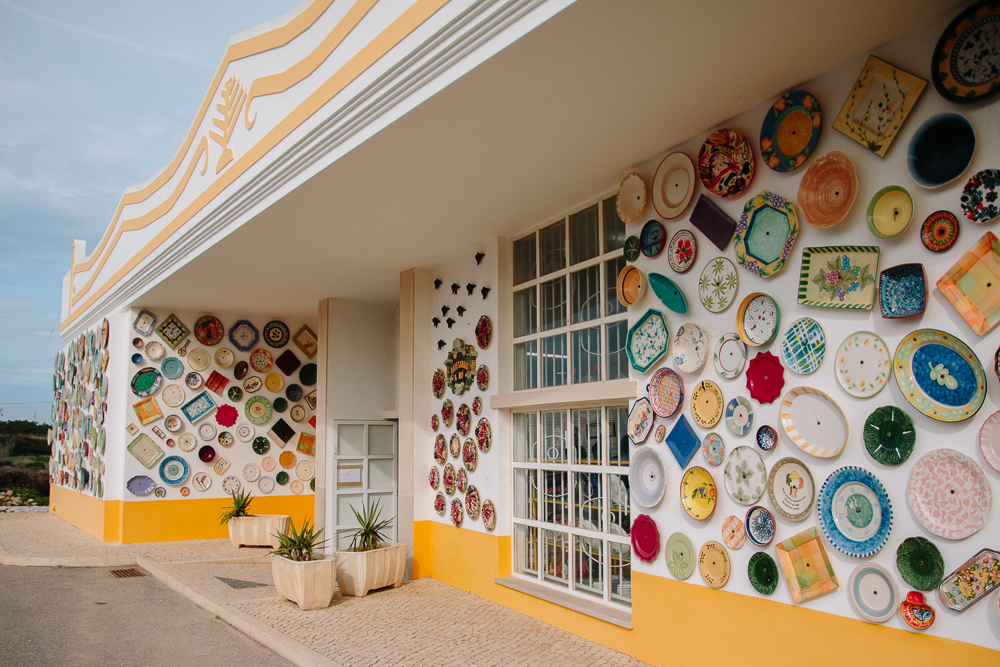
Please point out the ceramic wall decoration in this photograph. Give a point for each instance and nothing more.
(762, 572)
(305, 339)
(647, 477)
(713, 222)
(673, 185)
(455, 445)
(889, 435)
(470, 455)
(630, 286)
(814, 422)
(631, 249)
(854, 512)
(668, 292)
(145, 451)
(287, 362)
(645, 538)
(890, 212)
(244, 335)
(707, 404)
(172, 331)
(760, 526)
(698, 493)
(902, 291)
(972, 285)
(713, 449)
(838, 277)
(652, 238)
(974, 580)
(730, 355)
(725, 163)
(964, 66)
(640, 421)
(714, 564)
(690, 348)
(717, 285)
(463, 419)
(145, 382)
(666, 392)
(806, 567)
(939, 231)
(739, 416)
(765, 378)
(766, 437)
(484, 332)
(631, 197)
(484, 435)
(790, 131)
(941, 150)
(483, 377)
(140, 485)
(147, 410)
(647, 340)
(489, 514)
(979, 197)
(949, 494)
(209, 330)
(661, 433)
(827, 190)
(440, 449)
(791, 489)
(144, 323)
(863, 364)
(916, 612)
(457, 513)
(155, 350)
(460, 367)
(873, 593)
(989, 440)
(448, 479)
(939, 375)
(447, 413)
(920, 563)
(745, 475)
(258, 410)
(765, 234)
(472, 503)
(757, 319)
(680, 555)
(804, 346)
(172, 396)
(682, 441)
(878, 104)
(681, 251)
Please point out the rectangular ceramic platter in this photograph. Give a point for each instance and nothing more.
(851, 285)
(958, 590)
(972, 286)
(145, 450)
(805, 566)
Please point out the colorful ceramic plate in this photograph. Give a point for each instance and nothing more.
(698, 493)
(989, 440)
(207, 431)
(261, 445)
(760, 526)
(268, 463)
(965, 67)
(470, 455)
(902, 291)
(804, 346)
(146, 382)
(630, 287)
(863, 364)
(173, 423)
(765, 234)
(839, 277)
(647, 340)
(790, 131)
(889, 435)
(757, 319)
(261, 360)
(660, 433)
(827, 190)
(155, 350)
(733, 532)
(652, 238)
(680, 555)
(647, 477)
(455, 445)
(645, 538)
(766, 437)
(814, 422)
(745, 475)
(979, 197)
(437, 383)
(765, 378)
(484, 332)
(463, 419)
(209, 330)
(762, 572)
(949, 494)
(914, 610)
(226, 439)
(258, 410)
(959, 590)
(707, 404)
(174, 470)
(631, 197)
(681, 251)
(673, 185)
(890, 212)
(791, 489)
(224, 357)
(483, 377)
(631, 249)
(484, 435)
(725, 163)
(730, 355)
(806, 566)
(713, 449)
(939, 231)
(201, 481)
(940, 375)
(666, 392)
(683, 442)
(854, 512)
(873, 593)
(440, 449)
(941, 150)
(172, 396)
(718, 285)
(472, 503)
(286, 459)
(920, 563)
(713, 564)
(690, 348)
(739, 416)
(276, 333)
(668, 292)
(245, 432)
(193, 380)
(274, 382)
(972, 285)
(244, 335)
(640, 421)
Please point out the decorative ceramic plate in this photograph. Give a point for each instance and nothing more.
(673, 185)
(631, 197)
(240, 370)
(652, 238)
(173, 395)
(762, 572)
(224, 357)
(437, 383)
(484, 332)
(440, 449)
(873, 593)
(448, 479)
(287, 459)
(455, 445)
(757, 319)
(713, 564)
(713, 449)
(680, 555)
(914, 610)
(274, 382)
(209, 330)
(690, 348)
(972, 285)
(173, 423)
(730, 355)
(251, 472)
(440, 504)
(221, 465)
(630, 285)
(790, 131)
(647, 340)
(206, 454)
(681, 251)
(718, 285)
(244, 335)
(645, 538)
(806, 566)
(707, 404)
(902, 291)
(725, 163)
(745, 475)
(791, 489)
(965, 67)
(296, 486)
(712, 221)
(939, 231)
(187, 442)
(261, 445)
(863, 364)
(890, 212)
(839, 277)
(814, 422)
(640, 421)
(631, 249)
(174, 470)
(959, 590)
(155, 350)
(484, 435)
(854, 512)
(472, 503)
(146, 382)
(739, 416)
(698, 494)
(889, 435)
(765, 234)
(765, 378)
(140, 485)
(463, 419)
(245, 432)
(804, 346)
(647, 477)
(940, 375)
(265, 484)
(434, 477)
(766, 437)
(920, 563)
(276, 333)
(258, 410)
(144, 322)
(261, 360)
(979, 197)
(683, 441)
(660, 433)
(949, 494)
(482, 377)
(489, 513)
(470, 455)
(147, 452)
(941, 150)
(989, 440)
(760, 526)
(297, 413)
(172, 368)
(206, 431)
(447, 413)
(199, 359)
(668, 292)
(193, 380)
(733, 532)
(461, 480)
(305, 470)
(666, 392)
(827, 190)
(268, 463)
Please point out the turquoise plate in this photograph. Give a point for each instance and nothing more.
(668, 292)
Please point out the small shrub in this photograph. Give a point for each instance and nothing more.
(299, 545)
(239, 507)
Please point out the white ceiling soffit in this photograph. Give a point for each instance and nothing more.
(553, 120)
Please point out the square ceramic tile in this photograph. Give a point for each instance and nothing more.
(805, 566)
(972, 285)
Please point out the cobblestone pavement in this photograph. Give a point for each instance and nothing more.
(227, 582)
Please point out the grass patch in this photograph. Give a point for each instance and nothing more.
(29, 495)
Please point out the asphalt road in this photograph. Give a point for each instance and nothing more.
(77, 617)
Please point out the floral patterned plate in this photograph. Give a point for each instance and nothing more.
(713, 449)
(698, 493)
(854, 512)
(757, 319)
(839, 277)
(765, 234)
(666, 392)
(440, 449)
(434, 477)
(964, 65)
(972, 581)
(718, 285)
(477, 406)
(707, 404)
(760, 526)
(640, 421)
(489, 513)
(482, 377)
(980, 196)
(730, 355)
(681, 251)
(647, 340)
(690, 348)
(448, 478)
(725, 163)
(472, 503)
(790, 131)
(714, 564)
(470, 455)
(745, 475)
(463, 419)
(455, 445)
(814, 422)
(484, 435)
(863, 364)
(949, 494)
(940, 375)
(437, 383)
(440, 504)
(447, 413)
(457, 512)
(680, 555)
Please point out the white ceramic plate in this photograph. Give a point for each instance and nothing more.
(648, 477)
(814, 422)
(863, 364)
(690, 348)
(730, 355)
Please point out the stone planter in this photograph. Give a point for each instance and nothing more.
(361, 571)
(309, 583)
(258, 530)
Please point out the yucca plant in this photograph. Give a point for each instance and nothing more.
(370, 532)
(299, 544)
(240, 507)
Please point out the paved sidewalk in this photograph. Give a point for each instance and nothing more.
(424, 622)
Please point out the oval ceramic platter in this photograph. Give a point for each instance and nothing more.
(863, 364)
(648, 477)
(949, 494)
(940, 375)
(673, 185)
(698, 493)
(714, 564)
(873, 592)
(730, 356)
(814, 422)
(718, 284)
(668, 293)
(791, 489)
(855, 513)
(666, 392)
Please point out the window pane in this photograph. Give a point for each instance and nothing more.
(525, 312)
(351, 439)
(588, 500)
(585, 287)
(618, 505)
(612, 267)
(618, 437)
(526, 365)
(554, 437)
(524, 259)
(526, 549)
(554, 304)
(555, 361)
(380, 440)
(587, 355)
(617, 357)
(526, 436)
(584, 235)
(555, 497)
(588, 568)
(587, 437)
(525, 493)
(555, 556)
(552, 243)
(381, 473)
(621, 573)
(614, 228)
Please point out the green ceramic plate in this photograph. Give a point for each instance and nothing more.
(261, 445)
(631, 248)
(889, 435)
(920, 563)
(281, 478)
(763, 573)
(680, 554)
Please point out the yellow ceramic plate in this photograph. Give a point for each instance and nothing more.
(698, 493)
(274, 382)
(890, 212)
(714, 564)
(707, 404)
(287, 459)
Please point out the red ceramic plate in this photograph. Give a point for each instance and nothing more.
(207, 454)
(645, 538)
(765, 377)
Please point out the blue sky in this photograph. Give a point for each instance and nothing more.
(94, 97)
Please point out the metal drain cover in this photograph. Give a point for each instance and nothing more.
(128, 572)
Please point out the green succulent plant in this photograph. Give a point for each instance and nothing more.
(300, 544)
(240, 507)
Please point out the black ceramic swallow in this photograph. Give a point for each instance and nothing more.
(437, 283)
(454, 288)
(436, 322)
(441, 344)
(471, 287)
(479, 258)
(461, 310)
(449, 322)
(444, 311)
(485, 291)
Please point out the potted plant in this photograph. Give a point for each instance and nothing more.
(252, 530)
(371, 561)
(300, 574)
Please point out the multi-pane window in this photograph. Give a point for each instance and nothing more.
(569, 327)
(571, 501)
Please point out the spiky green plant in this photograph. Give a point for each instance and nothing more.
(370, 532)
(240, 507)
(299, 544)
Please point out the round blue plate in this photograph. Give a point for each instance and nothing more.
(172, 367)
(174, 470)
(652, 238)
(855, 513)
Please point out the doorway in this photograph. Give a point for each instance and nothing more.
(364, 471)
